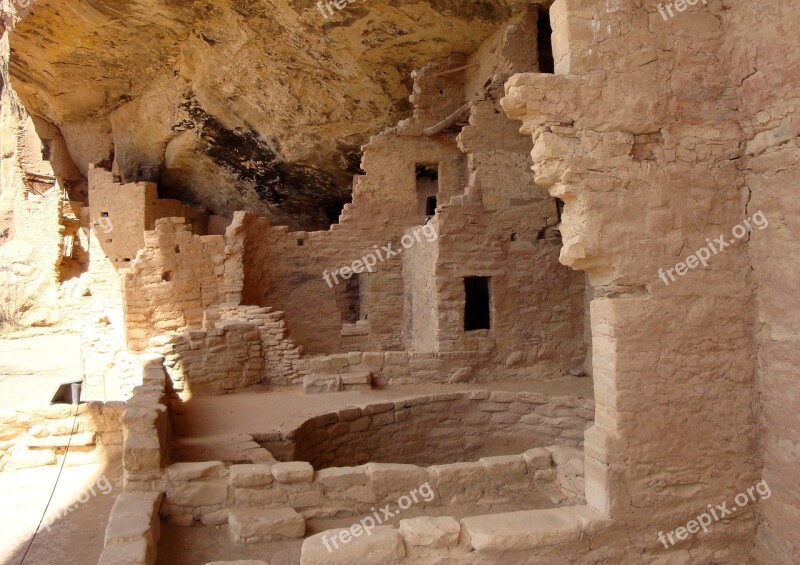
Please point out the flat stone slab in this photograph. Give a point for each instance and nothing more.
(255, 475)
(191, 471)
(342, 476)
(384, 546)
(131, 553)
(428, 531)
(528, 529)
(321, 384)
(254, 525)
(537, 458)
(293, 472)
(357, 378)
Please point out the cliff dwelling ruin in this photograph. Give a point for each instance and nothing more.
(399, 282)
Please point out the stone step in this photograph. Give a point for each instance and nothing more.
(328, 382)
(255, 525)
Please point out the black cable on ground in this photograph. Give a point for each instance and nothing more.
(49, 500)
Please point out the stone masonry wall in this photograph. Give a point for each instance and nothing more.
(127, 210)
(636, 134)
(440, 428)
(33, 436)
(146, 429)
(174, 278)
(287, 272)
(503, 227)
(206, 492)
(764, 62)
(283, 362)
(215, 360)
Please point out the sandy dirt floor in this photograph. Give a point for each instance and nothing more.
(261, 410)
(75, 539)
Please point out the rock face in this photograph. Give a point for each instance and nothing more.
(258, 106)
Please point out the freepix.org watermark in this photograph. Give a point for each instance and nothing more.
(702, 255)
(715, 514)
(368, 523)
(680, 6)
(368, 261)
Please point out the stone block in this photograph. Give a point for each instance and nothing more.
(253, 525)
(199, 493)
(373, 360)
(134, 518)
(349, 414)
(319, 364)
(502, 396)
(432, 532)
(394, 477)
(130, 553)
(260, 496)
(306, 499)
(254, 475)
(459, 483)
(339, 361)
(192, 471)
(357, 378)
(293, 472)
(396, 358)
(384, 546)
(215, 518)
(524, 530)
(340, 477)
(537, 458)
(141, 453)
(504, 465)
(561, 454)
(321, 384)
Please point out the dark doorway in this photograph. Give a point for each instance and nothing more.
(477, 308)
(544, 42)
(430, 206)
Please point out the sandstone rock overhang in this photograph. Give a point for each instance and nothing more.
(236, 106)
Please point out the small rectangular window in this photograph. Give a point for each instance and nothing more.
(427, 190)
(477, 305)
(430, 206)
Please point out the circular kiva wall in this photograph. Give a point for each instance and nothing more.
(437, 429)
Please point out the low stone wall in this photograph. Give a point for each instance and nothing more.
(406, 367)
(146, 429)
(206, 492)
(437, 428)
(283, 363)
(38, 435)
(551, 535)
(133, 530)
(217, 360)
